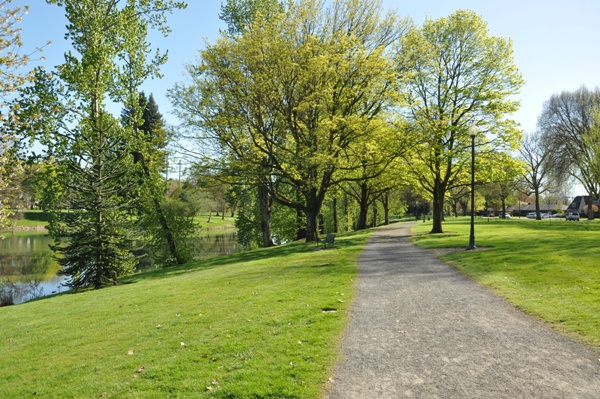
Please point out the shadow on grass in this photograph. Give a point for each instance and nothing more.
(344, 241)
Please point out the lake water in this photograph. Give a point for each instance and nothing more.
(26, 261)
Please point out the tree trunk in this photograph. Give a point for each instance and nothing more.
(164, 224)
(311, 225)
(464, 208)
(321, 226)
(386, 207)
(438, 208)
(374, 224)
(361, 223)
(346, 216)
(537, 205)
(335, 216)
(301, 225)
(590, 210)
(264, 205)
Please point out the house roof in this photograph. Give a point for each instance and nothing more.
(580, 201)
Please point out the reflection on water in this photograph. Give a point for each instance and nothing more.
(210, 245)
(27, 268)
(29, 271)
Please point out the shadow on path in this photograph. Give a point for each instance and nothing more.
(420, 329)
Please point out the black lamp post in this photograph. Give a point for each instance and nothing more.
(472, 132)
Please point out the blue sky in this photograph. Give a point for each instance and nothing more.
(556, 43)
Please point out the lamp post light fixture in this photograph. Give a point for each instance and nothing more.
(472, 132)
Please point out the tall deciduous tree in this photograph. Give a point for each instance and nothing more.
(372, 168)
(93, 150)
(457, 75)
(288, 97)
(163, 226)
(540, 162)
(569, 125)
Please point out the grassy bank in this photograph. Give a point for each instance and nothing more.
(546, 268)
(259, 324)
(205, 221)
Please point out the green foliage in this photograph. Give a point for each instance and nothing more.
(94, 243)
(248, 220)
(286, 98)
(91, 168)
(11, 62)
(241, 14)
(455, 74)
(545, 267)
(180, 220)
(249, 325)
(165, 223)
(282, 103)
(92, 253)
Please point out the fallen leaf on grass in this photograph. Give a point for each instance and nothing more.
(139, 370)
(130, 352)
(183, 344)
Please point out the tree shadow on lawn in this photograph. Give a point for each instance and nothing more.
(347, 241)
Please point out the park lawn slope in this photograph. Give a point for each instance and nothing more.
(261, 324)
(546, 268)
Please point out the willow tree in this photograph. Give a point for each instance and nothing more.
(457, 75)
(290, 95)
(69, 113)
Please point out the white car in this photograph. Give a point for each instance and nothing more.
(531, 215)
(573, 216)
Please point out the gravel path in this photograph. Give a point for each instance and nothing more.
(420, 329)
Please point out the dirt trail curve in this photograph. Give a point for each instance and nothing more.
(419, 329)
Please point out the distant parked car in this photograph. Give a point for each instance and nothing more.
(574, 216)
(531, 215)
(504, 215)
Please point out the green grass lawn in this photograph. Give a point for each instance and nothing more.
(260, 324)
(546, 268)
(33, 218)
(213, 222)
